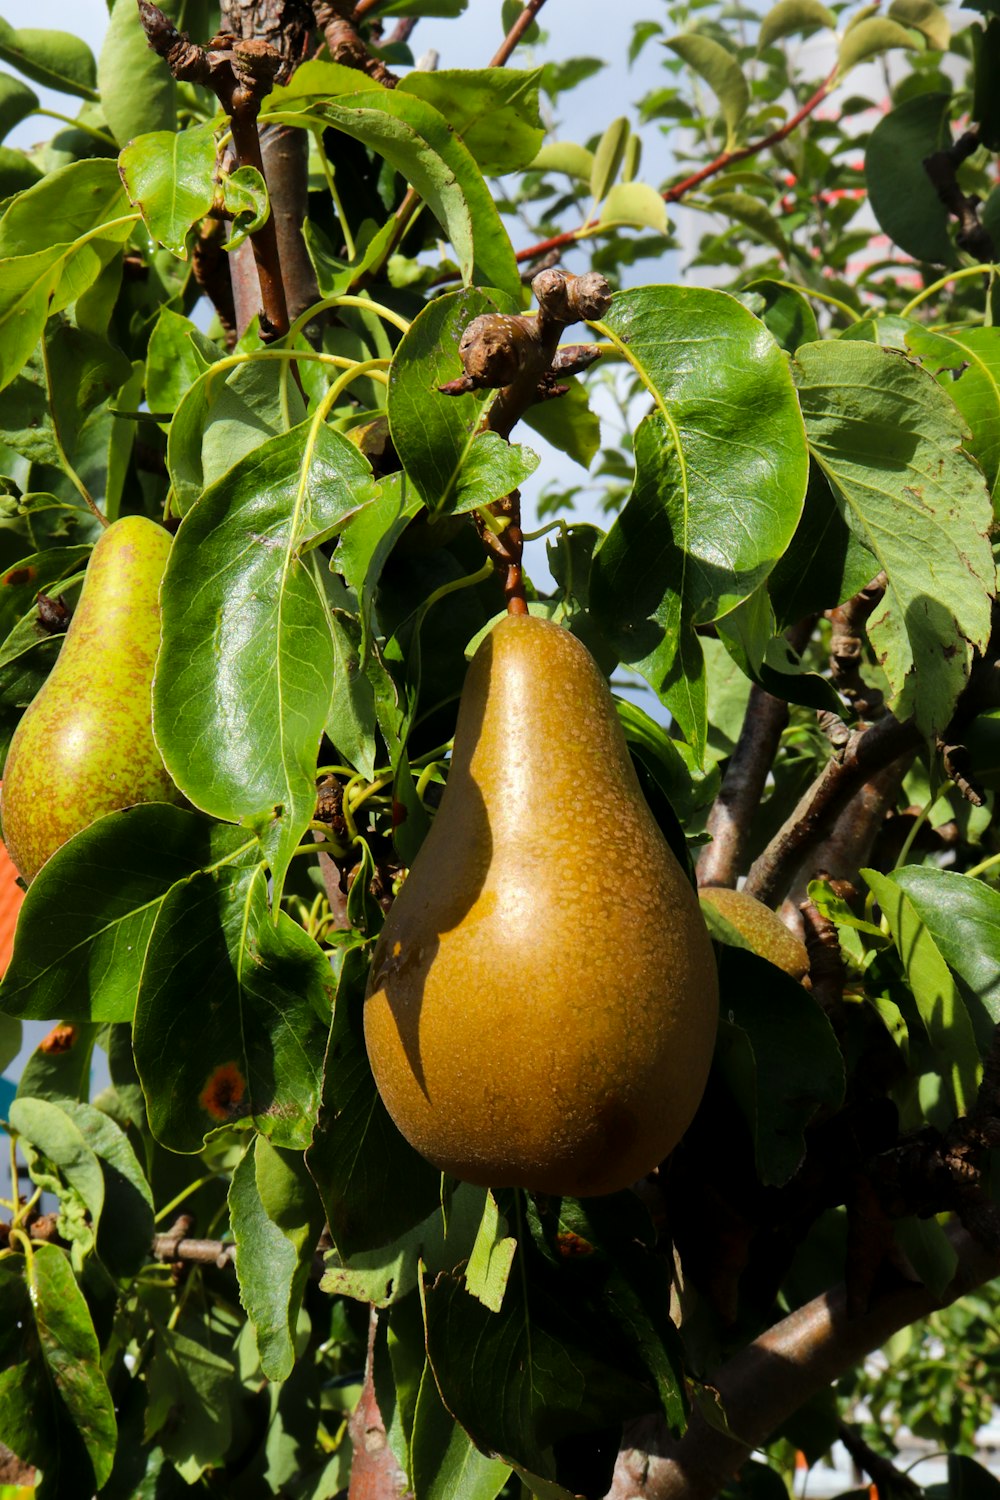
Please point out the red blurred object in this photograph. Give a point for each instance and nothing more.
(11, 896)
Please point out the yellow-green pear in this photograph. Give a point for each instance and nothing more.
(764, 931)
(543, 1000)
(85, 744)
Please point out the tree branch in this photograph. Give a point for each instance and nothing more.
(726, 159)
(515, 33)
(887, 1479)
(773, 1377)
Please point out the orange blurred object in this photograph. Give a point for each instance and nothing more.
(11, 896)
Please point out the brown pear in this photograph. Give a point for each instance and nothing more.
(764, 931)
(543, 999)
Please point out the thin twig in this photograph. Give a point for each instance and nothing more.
(887, 1479)
(726, 159)
(515, 33)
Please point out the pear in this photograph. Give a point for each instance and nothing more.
(84, 746)
(764, 931)
(543, 999)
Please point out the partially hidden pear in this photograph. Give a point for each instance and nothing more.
(84, 746)
(543, 999)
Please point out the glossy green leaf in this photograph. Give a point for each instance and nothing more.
(85, 923)
(419, 142)
(276, 1220)
(889, 441)
(17, 102)
(176, 356)
(374, 1186)
(170, 179)
(636, 204)
(939, 1001)
(494, 110)
(721, 471)
(138, 93)
(444, 1461)
(246, 660)
(254, 1054)
(40, 573)
(923, 16)
(903, 198)
(125, 1230)
(963, 918)
(490, 469)
(351, 720)
(871, 38)
(55, 59)
(779, 1055)
(78, 199)
(967, 364)
(723, 74)
(564, 156)
(790, 17)
(189, 1408)
(609, 154)
(434, 434)
(55, 1407)
(787, 313)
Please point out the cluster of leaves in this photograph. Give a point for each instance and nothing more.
(324, 590)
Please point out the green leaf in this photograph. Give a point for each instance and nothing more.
(61, 1161)
(636, 204)
(55, 59)
(84, 927)
(721, 72)
(494, 110)
(903, 198)
(491, 468)
(367, 541)
(176, 357)
(55, 1407)
(246, 659)
(40, 573)
(790, 16)
(779, 1055)
(929, 1251)
(870, 39)
(889, 441)
(351, 721)
(276, 1220)
(419, 142)
(942, 1010)
(138, 93)
(491, 1259)
(374, 1186)
(444, 1461)
(569, 424)
(721, 471)
(563, 156)
(170, 179)
(17, 102)
(125, 1230)
(608, 156)
(244, 193)
(254, 1053)
(434, 434)
(79, 199)
(189, 1408)
(651, 744)
(17, 173)
(787, 313)
(967, 364)
(59, 1067)
(963, 918)
(754, 214)
(923, 16)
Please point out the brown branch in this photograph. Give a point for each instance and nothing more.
(337, 20)
(240, 71)
(515, 33)
(847, 644)
(867, 751)
(773, 1377)
(887, 1479)
(726, 159)
(942, 169)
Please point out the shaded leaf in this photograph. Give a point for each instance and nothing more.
(17, 102)
(569, 424)
(723, 74)
(254, 1053)
(138, 93)
(963, 918)
(903, 198)
(189, 1406)
(55, 1406)
(444, 1461)
(889, 441)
